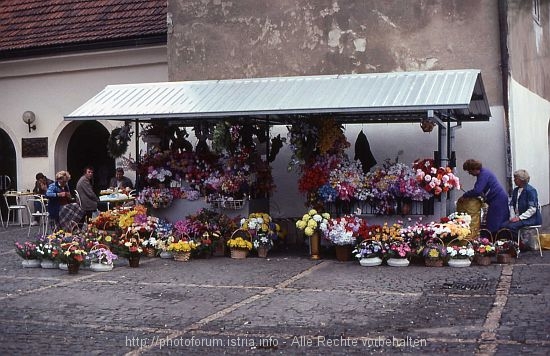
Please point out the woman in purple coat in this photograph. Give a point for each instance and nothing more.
(488, 187)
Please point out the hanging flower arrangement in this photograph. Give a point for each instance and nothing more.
(435, 180)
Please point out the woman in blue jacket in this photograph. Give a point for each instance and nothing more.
(488, 187)
(524, 206)
(58, 194)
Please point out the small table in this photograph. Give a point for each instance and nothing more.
(14, 201)
(115, 199)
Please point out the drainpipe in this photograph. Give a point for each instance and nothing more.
(505, 75)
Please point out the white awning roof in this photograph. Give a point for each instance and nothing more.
(398, 96)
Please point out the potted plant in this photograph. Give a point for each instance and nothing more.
(461, 254)
(101, 258)
(369, 253)
(397, 252)
(27, 251)
(73, 255)
(484, 249)
(182, 249)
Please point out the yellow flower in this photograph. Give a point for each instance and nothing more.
(308, 231)
(433, 253)
(301, 224)
(311, 212)
(312, 224)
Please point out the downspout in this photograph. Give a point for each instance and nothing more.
(505, 75)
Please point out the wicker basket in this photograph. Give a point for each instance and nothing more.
(482, 260)
(182, 256)
(238, 253)
(433, 262)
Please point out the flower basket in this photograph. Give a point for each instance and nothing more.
(482, 260)
(504, 258)
(182, 256)
(460, 252)
(370, 261)
(99, 265)
(238, 253)
(149, 252)
(434, 253)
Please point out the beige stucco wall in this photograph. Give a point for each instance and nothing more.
(52, 87)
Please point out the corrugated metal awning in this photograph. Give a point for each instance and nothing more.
(398, 96)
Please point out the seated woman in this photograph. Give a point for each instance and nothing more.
(58, 194)
(524, 206)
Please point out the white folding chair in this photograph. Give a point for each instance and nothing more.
(14, 205)
(37, 204)
(78, 200)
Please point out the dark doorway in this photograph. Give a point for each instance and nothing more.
(8, 168)
(88, 147)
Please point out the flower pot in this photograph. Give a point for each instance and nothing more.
(238, 253)
(482, 260)
(315, 246)
(73, 268)
(504, 258)
(262, 252)
(63, 266)
(343, 253)
(433, 262)
(30, 263)
(49, 264)
(459, 262)
(167, 255)
(398, 262)
(370, 261)
(133, 261)
(101, 267)
(182, 256)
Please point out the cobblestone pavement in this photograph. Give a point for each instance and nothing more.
(286, 304)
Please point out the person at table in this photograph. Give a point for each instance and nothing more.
(58, 194)
(524, 205)
(85, 189)
(488, 187)
(120, 181)
(40, 188)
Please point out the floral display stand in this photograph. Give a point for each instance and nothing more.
(370, 261)
(30, 263)
(398, 262)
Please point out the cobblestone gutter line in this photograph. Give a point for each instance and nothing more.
(231, 308)
(488, 343)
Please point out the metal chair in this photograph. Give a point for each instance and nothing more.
(531, 227)
(38, 204)
(78, 200)
(15, 206)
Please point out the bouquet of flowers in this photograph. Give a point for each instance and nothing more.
(507, 247)
(261, 223)
(72, 253)
(465, 251)
(102, 255)
(483, 247)
(182, 246)
(344, 230)
(261, 239)
(156, 198)
(397, 248)
(27, 250)
(368, 249)
(312, 221)
(47, 248)
(435, 180)
(239, 243)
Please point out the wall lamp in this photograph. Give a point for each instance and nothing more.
(28, 118)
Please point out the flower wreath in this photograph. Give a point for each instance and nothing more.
(118, 141)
